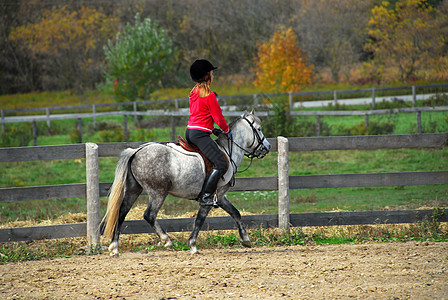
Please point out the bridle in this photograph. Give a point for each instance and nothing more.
(256, 137)
(250, 154)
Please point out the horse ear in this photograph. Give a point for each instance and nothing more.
(245, 113)
(252, 112)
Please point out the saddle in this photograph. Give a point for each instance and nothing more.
(193, 148)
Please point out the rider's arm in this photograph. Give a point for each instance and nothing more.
(216, 113)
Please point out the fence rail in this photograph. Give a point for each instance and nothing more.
(227, 223)
(408, 89)
(367, 113)
(185, 113)
(337, 96)
(437, 140)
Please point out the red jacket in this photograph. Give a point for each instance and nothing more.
(204, 112)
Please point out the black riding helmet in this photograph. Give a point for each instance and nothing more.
(200, 68)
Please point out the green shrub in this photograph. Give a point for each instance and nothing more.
(16, 136)
(395, 103)
(375, 128)
(141, 135)
(110, 136)
(338, 106)
(104, 125)
(74, 136)
(138, 58)
(436, 100)
(281, 123)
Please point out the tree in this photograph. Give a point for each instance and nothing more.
(19, 72)
(68, 45)
(138, 59)
(332, 33)
(409, 36)
(280, 65)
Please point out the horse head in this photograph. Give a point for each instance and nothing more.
(256, 143)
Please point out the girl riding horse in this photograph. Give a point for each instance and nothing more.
(204, 113)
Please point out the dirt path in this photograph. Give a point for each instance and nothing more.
(379, 271)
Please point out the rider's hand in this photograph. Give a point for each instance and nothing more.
(229, 134)
(216, 131)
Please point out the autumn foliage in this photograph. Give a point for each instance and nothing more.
(66, 44)
(409, 36)
(281, 65)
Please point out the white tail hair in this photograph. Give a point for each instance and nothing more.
(116, 193)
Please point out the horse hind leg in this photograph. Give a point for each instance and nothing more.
(132, 190)
(156, 199)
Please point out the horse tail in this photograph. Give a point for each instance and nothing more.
(116, 193)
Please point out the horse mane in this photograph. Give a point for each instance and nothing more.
(256, 119)
(232, 124)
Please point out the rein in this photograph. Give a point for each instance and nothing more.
(250, 155)
(256, 136)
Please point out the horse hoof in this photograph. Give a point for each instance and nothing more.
(113, 248)
(194, 250)
(169, 245)
(246, 244)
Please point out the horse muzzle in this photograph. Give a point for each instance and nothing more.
(263, 149)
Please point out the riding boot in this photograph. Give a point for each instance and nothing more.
(209, 188)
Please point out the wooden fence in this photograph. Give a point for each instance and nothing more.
(335, 95)
(92, 189)
(184, 113)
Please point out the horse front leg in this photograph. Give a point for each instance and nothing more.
(198, 222)
(227, 206)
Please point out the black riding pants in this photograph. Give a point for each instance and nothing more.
(203, 140)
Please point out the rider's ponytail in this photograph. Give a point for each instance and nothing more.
(204, 86)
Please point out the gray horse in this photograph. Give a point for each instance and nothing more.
(162, 169)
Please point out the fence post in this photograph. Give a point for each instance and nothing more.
(419, 122)
(291, 103)
(283, 184)
(125, 126)
(34, 133)
(93, 196)
(3, 121)
(94, 115)
(366, 121)
(47, 111)
(173, 128)
(135, 114)
(373, 98)
(317, 125)
(79, 130)
(335, 97)
(255, 100)
(414, 97)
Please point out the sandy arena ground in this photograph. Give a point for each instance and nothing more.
(374, 271)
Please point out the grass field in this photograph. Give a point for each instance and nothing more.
(34, 173)
(302, 163)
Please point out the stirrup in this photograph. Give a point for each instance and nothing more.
(209, 202)
(215, 201)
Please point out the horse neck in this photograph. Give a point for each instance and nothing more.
(237, 154)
